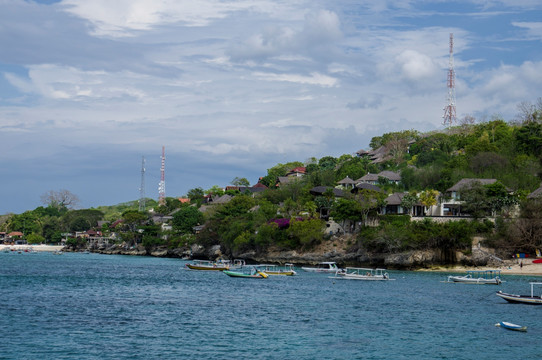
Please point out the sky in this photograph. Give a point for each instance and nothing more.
(233, 88)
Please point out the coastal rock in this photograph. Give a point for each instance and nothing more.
(197, 250)
(160, 252)
(214, 252)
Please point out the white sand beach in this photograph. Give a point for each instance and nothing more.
(51, 248)
(509, 267)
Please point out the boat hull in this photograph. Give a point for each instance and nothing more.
(520, 299)
(258, 275)
(284, 273)
(362, 277)
(510, 326)
(468, 280)
(210, 268)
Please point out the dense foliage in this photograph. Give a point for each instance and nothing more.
(288, 216)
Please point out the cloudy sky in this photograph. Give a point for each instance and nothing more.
(232, 88)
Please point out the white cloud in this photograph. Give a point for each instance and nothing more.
(513, 83)
(313, 79)
(534, 29)
(416, 66)
(127, 17)
(58, 82)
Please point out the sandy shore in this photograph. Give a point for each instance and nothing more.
(51, 248)
(510, 267)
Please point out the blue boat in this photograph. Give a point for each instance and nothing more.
(510, 326)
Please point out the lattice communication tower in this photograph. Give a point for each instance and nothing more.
(142, 188)
(449, 117)
(162, 184)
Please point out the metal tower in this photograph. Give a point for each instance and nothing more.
(449, 110)
(162, 184)
(142, 188)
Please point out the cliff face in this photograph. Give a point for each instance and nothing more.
(338, 249)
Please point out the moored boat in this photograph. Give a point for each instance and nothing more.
(253, 274)
(286, 270)
(220, 265)
(352, 273)
(510, 326)
(492, 277)
(523, 299)
(325, 267)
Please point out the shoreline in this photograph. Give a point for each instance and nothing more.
(38, 247)
(510, 267)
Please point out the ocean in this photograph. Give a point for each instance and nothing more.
(91, 306)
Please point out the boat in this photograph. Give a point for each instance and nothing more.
(219, 265)
(478, 277)
(286, 270)
(352, 273)
(253, 274)
(510, 326)
(325, 267)
(523, 299)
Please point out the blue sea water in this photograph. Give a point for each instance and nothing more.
(90, 306)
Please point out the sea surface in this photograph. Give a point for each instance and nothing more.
(91, 306)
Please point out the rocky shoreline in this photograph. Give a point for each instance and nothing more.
(411, 260)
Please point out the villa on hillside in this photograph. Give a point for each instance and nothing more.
(292, 175)
(452, 205)
(391, 176)
(537, 194)
(394, 206)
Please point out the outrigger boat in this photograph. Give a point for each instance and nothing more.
(325, 267)
(254, 274)
(352, 273)
(478, 277)
(286, 270)
(510, 326)
(219, 265)
(523, 299)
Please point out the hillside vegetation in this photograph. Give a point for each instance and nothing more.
(287, 216)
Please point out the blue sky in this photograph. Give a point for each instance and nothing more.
(231, 88)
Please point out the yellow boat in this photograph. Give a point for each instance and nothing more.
(286, 270)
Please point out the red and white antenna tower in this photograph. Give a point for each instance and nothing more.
(162, 184)
(449, 110)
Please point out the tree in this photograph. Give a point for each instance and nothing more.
(240, 182)
(525, 233)
(530, 113)
(215, 190)
(132, 220)
(35, 238)
(490, 199)
(428, 198)
(369, 200)
(408, 201)
(345, 210)
(186, 218)
(60, 199)
(195, 195)
(306, 232)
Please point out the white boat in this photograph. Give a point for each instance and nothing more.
(352, 273)
(523, 299)
(510, 326)
(219, 265)
(323, 267)
(286, 270)
(478, 277)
